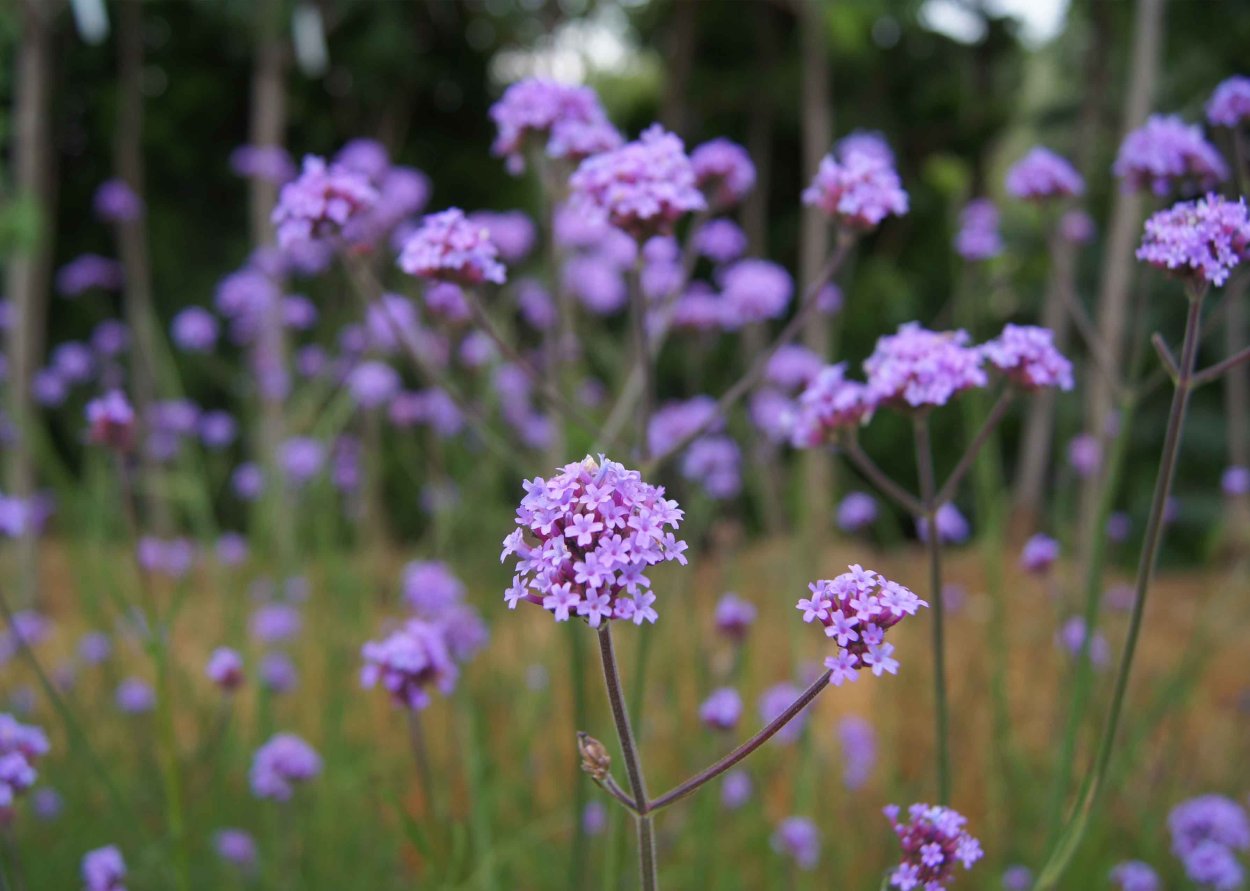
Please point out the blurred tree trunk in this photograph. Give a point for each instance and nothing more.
(817, 464)
(682, 36)
(133, 246)
(1122, 234)
(29, 266)
(1237, 409)
(267, 127)
(760, 129)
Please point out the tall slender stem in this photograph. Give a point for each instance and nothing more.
(633, 764)
(933, 543)
(577, 678)
(1063, 851)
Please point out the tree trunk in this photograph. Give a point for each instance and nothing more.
(680, 50)
(29, 266)
(1237, 410)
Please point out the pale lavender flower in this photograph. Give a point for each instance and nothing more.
(236, 847)
(1134, 875)
(270, 163)
(978, 237)
(195, 330)
(110, 338)
(735, 789)
(512, 231)
(856, 511)
(934, 840)
(275, 622)
(1085, 454)
(859, 751)
(111, 421)
(643, 187)
(867, 142)
(722, 709)
(247, 481)
(1026, 354)
(1235, 481)
(1166, 154)
(775, 700)
(94, 647)
(302, 458)
(599, 285)
(1119, 525)
(408, 662)
(1042, 175)
(829, 405)
(298, 312)
(88, 271)
(373, 383)
(952, 526)
(1208, 818)
(569, 118)
(594, 818)
(316, 207)
(721, 240)
(1201, 240)
(447, 301)
(856, 610)
(858, 187)
(277, 673)
(918, 368)
(231, 549)
(47, 804)
(14, 516)
(450, 247)
(734, 616)
(594, 529)
(675, 421)
(799, 839)
(1039, 554)
(723, 171)
(225, 669)
(48, 388)
(281, 764)
(1212, 865)
(135, 696)
(1017, 878)
(773, 413)
(535, 303)
(104, 870)
(218, 429)
(1229, 105)
(754, 291)
(21, 746)
(431, 587)
(1071, 638)
(1076, 227)
(714, 462)
(116, 202)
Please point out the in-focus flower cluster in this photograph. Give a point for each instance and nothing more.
(316, 207)
(570, 118)
(858, 186)
(1041, 175)
(856, 609)
(643, 187)
(281, 764)
(21, 746)
(451, 248)
(934, 840)
(1203, 240)
(1166, 154)
(1207, 833)
(593, 531)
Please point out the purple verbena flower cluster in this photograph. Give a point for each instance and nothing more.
(225, 669)
(111, 421)
(799, 839)
(859, 750)
(281, 764)
(734, 616)
(1042, 175)
(451, 248)
(569, 117)
(21, 746)
(594, 529)
(1229, 105)
(723, 171)
(978, 237)
(1202, 240)
(316, 208)
(831, 403)
(856, 609)
(1134, 875)
(722, 709)
(920, 368)
(104, 870)
(1165, 154)
(408, 662)
(1039, 554)
(1026, 354)
(753, 291)
(1207, 832)
(934, 840)
(858, 187)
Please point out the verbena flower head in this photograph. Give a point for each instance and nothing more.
(116, 202)
(1208, 818)
(978, 237)
(722, 709)
(408, 662)
(195, 330)
(236, 847)
(225, 668)
(952, 526)
(451, 248)
(735, 789)
(1042, 175)
(104, 870)
(734, 616)
(1076, 227)
(373, 383)
(111, 421)
(857, 187)
(855, 511)
(271, 163)
(1201, 240)
(135, 696)
(1085, 454)
(934, 840)
(643, 187)
(859, 750)
(1039, 554)
(430, 586)
(714, 462)
(570, 118)
(281, 764)
(919, 368)
(21, 746)
(277, 673)
(1026, 354)
(830, 404)
(1071, 638)
(723, 171)
(317, 207)
(88, 271)
(675, 421)
(1229, 105)
(1017, 878)
(754, 290)
(799, 839)
(1235, 481)
(721, 240)
(1134, 875)
(585, 540)
(1166, 154)
(856, 609)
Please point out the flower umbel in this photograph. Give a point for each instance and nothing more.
(1203, 240)
(933, 840)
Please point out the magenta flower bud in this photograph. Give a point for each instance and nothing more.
(225, 669)
(934, 841)
(282, 764)
(1039, 554)
(104, 870)
(1042, 175)
(722, 709)
(449, 247)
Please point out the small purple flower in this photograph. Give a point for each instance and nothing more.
(754, 291)
(231, 549)
(275, 622)
(1071, 638)
(104, 870)
(1229, 105)
(793, 367)
(1134, 875)
(1039, 554)
(1017, 878)
(1042, 175)
(88, 271)
(1119, 525)
(281, 764)
(714, 463)
(952, 527)
(722, 709)
(675, 421)
(94, 647)
(594, 818)
(569, 118)
(408, 662)
(934, 840)
(225, 669)
(723, 172)
(302, 458)
(431, 588)
(734, 616)
(110, 338)
(858, 187)
(236, 847)
(449, 247)
(318, 206)
(116, 202)
(799, 839)
(721, 241)
(195, 330)
(218, 429)
(1235, 481)
(513, 232)
(1166, 154)
(978, 237)
(111, 421)
(248, 481)
(643, 187)
(859, 751)
(373, 383)
(270, 163)
(135, 696)
(775, 700)
(1208, 818)
(1027, 356)
(856, 511)
(917, 367)
(1076, 227)
(735, 789)
(1085, 455)
(277, 673)
(1201, 240)
(47, 804)
(830, 404)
